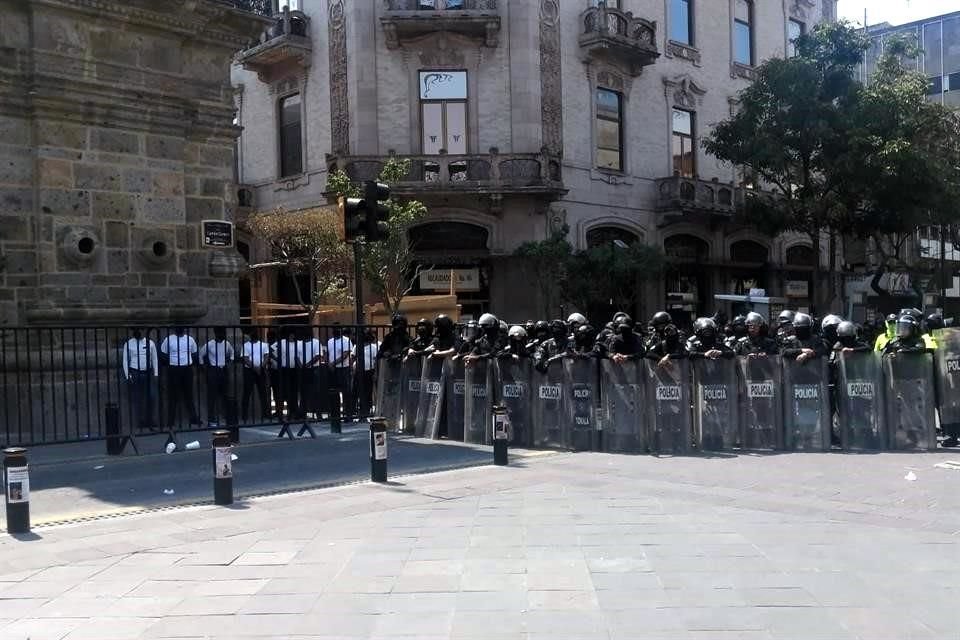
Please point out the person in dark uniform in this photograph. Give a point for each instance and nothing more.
(738, 331)
(557, 344)
(658, 323)
(419, 345)
(585, 343)
(785, 326)
(516, 346)
(757, 343)
(908, 337)
(669, 347)
(803, 344)
(625, 344)
(396, 341)
(848, 339)
(541, 333)
(706, 342)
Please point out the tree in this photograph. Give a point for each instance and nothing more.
(838, 157)
(306, 242)
(388, 266)
(592, 280)
(790, 132)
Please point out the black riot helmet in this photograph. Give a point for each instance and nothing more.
(671, 335)
(828, 327)
(541, 330)
(907, 327)
(755, 323)
(620, 316)
(471, 331)
(529, 327)
(398, 321)
(739, 326)
(847, 333)
(786, 318)
(558, 329)
(802, 326)
(892, 319)
(444, 325)
(424, 328)
(625, 328)
(660, 320)
(934, 322)
(585, 335)
(706, 330)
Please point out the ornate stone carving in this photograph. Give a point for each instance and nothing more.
(80, 245)
(551, 86)
(611, 80)
(746, 72)
(339, 101)
(556, 218)
(677, 50)
(683, 91)
(442, 55)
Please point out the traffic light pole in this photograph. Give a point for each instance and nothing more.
(361, 347)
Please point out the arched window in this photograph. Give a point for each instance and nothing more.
(605, 236)
(749, 251)
(686, 247)
(800, 255)
(448, 236)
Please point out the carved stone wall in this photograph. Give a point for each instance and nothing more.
(551, 84)
(339, 101)
(116, 124)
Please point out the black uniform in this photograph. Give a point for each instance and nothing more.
(757, 345)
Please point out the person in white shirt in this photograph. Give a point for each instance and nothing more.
(217, 354)
(256, 364)
(370, 348)
(339, 357)
(313, 375)
(284, 353)
(139, 360)
(178, 351)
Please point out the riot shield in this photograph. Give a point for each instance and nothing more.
(807, 418)
(389, 387)
(668, 409)
(432, 382)
(911, 407)
(860, 401)
(716, 405)
(623, 402)
(513, 384)
(580, 378)
(548, 423)
(455, 400)
(412, 374)
(948, 380)
(478, 402)
(761, 414)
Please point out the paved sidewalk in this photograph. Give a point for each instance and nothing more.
(577, 547)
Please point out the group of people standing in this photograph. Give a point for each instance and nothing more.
(289, 372)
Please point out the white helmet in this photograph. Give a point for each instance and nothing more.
(488, 320)
(577, 319)
(516, 331)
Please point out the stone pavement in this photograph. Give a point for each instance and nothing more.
(578, 547)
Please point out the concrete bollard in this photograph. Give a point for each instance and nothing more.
(222, 468)
(16, 484)
(378, 449)
(501, 434)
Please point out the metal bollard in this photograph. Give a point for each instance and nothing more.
(222, 468)
(333, 398)
(501, 434)
(378, 449)
(16, 483)
(233, 422)
(111, 420)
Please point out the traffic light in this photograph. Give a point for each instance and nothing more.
(352, 211)
(367, 217)
(377, 213)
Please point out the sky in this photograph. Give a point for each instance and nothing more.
(894, 11)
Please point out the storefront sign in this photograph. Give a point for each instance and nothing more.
(217, 233)
(798, 289)
(439, 279)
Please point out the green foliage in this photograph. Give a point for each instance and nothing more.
(592, 279)
(387, 265)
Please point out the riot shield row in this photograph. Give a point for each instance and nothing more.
(714, 405)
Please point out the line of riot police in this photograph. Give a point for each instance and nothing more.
(634, 387)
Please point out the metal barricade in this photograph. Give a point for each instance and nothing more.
(581, 376)
(623, 393)
(549, 425)
(669, 418)
(514, 392)
(910, 401)
(860, 406)
(807, 418)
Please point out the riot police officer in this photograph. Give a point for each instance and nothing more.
(803, 344)
(444, 342)
(658, 323)
(828, 328)
(585, 344)
(422, 342)
(848, 340)
(889, 333)
(669, 347)
(908, 338)
(706, 342)
(541, 333)
(757, 343)
(558, 343)
(739, 327)
(625, 344)
(396, 341)
(516, 346)
(785, 326)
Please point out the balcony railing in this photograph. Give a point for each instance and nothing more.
(613, 33)
(684, 196)
(259, 7)
(409, 19)
(285, 42)
(480, 174)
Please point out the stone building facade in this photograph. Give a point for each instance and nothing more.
(522, 116)
(116, 140)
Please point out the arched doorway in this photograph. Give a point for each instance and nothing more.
(458, 250)
(687, 278)
(748, 267)
(607, 236)
(612, 295)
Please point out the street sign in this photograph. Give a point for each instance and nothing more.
(217, 234)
